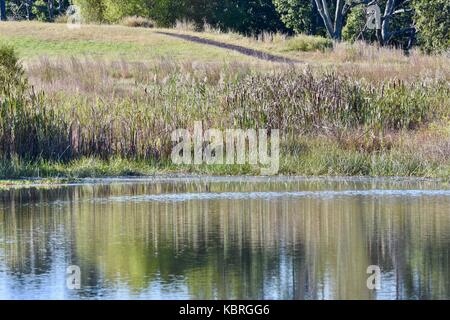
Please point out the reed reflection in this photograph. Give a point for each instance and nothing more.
(276, 248)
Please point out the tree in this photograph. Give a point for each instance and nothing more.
(355, 27)
(394, 26)
(248, 16)
(394, 9)
(39, 10)
(301, 16)
(28, 5)
(341, 9)
(166, 12)
(389, 29)
(92, 10)
(2, 10)
(118, 9)
(50, 8)
(432, 19)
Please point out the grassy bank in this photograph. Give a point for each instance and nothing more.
(78, 115)
(310, 157)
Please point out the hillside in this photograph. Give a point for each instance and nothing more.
(34, 39)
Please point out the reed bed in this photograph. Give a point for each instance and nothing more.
(77, 109)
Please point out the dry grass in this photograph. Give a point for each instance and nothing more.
(103, 78)
(137, 22)
(129, 109)
(358, 60)
(431, 143)
(185, 25)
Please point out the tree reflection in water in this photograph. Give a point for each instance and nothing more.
(275, 248)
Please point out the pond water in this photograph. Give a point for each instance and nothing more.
(226, 238)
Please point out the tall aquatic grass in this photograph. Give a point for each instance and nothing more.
(29, 127)
(119, 110)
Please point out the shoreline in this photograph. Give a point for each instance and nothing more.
(192, 178)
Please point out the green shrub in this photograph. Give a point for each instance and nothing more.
(11, 71)
(432, 19)
(92, 10)
(115, 10)
(137, 22)
(308, 43)
(28, 129)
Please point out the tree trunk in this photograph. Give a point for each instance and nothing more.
(385, 29)
(60, 6)
(339, 19)
(322, 7)
(50, 5)
(27, 9)
(334, 29)
(2, 10)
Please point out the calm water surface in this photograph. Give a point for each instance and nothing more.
(227, 238)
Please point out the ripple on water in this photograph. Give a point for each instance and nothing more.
(181, 197)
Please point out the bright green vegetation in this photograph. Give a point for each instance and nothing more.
(433, 22)
(31, 47)
(305, 43)
(33, 40)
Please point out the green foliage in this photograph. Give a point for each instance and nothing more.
(11, 71)
(166, 12)
(115, 10)
(40, 10)
(28, 129)
(297, 15)
(433, 23)
(92, 10)
(355, 29)
(247, 16)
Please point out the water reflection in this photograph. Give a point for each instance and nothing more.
(298, 239)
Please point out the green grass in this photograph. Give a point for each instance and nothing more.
(33, 40)
(30, 47)
(319, 159)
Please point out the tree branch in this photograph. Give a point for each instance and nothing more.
(322, 7)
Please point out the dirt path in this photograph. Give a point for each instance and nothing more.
(246, 51)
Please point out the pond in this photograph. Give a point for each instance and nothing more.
(226, 238)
